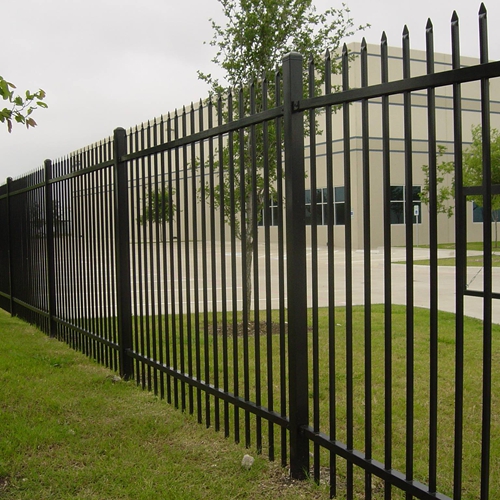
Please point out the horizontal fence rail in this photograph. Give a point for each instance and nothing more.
(236, 257)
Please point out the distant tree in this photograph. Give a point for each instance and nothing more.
(20, 108)
(36, 216)
(158, 207)
(472, 176)
(445, 184)
(250, 47)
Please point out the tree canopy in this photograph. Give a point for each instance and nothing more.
(158, 207)
(259, 33)
(250, 48)
(472, 161)
(19, 108)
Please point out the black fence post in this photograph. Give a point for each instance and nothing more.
(122, 253)
(9, 248)
(296, 265)
(49, 232)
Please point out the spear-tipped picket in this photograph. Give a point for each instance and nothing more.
(429, 37)
(312, 77)
(328, 72)
(483, 34)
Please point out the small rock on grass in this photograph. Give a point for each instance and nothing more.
(247, 462)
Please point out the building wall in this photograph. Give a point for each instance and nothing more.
(471, 116)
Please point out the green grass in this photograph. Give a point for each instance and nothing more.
(69, 430)
(472, 261)
(268, 349)
(471, 245)
(77, 428)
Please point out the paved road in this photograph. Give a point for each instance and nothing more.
(152, 289)
(213, 288)
(421, 283)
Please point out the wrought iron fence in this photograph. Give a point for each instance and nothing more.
(199, 255)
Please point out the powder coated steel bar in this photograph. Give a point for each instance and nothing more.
(433, 255)
(267, 221)
(487, 260)
(281, 273)
(122, 249)
(213, 266)
(314, 267)
(244, 258)
(410, 356)
(386, 180)
(296, 266)
(234, 294)
(346, 123)
(367, 267)
(49, 250)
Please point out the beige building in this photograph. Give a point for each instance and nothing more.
(471, 116)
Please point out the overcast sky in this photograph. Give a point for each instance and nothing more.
(116, 63)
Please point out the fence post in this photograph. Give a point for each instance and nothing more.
(296, 264)
(49, 232)
(122, 254)
(9, 248)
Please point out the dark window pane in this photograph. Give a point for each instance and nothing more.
(325, 214)
(397, 193)
(274, 212)
(339, 194)
(340, 214)
(308, 196)
(397, 213)
(477, 213)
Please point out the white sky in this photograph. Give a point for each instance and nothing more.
(116, 63)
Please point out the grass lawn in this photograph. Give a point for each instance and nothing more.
(472, 260)
(471, 245)
(69, 430)
(333, 343)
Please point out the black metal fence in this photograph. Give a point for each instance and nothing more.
(178, 254)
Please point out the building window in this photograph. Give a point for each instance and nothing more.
(321, 199)
(398, 204)
(273, 213)
(477, 214)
